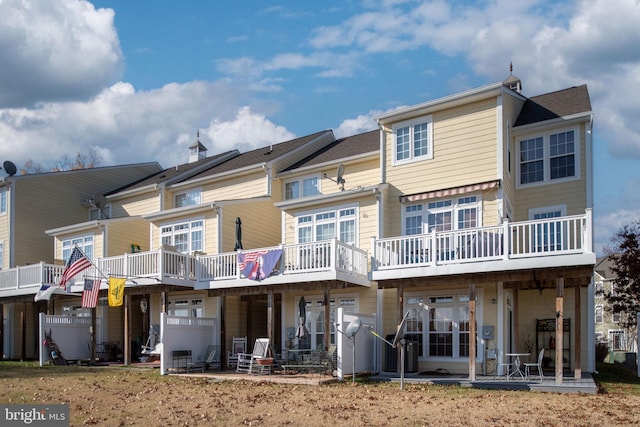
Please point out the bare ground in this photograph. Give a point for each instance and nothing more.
(129, 397)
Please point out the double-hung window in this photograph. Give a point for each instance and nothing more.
(188, 198)
(185, 236)
(303, 187)
(413, 140)
(442, 215)
(549, 157)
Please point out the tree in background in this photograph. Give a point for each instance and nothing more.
(624, 296)
(82, 161)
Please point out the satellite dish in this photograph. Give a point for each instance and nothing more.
(10, 168)
(97, 201)
(339, 177)
(352, 328)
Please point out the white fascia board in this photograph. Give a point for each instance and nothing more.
(332, 163)
(333, 197)
(560, 121)
(89, 225)
(172, 213)
(461, 98)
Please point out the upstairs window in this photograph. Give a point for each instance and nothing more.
(326, 225)
(303, 187)
(442, 215)
(599, 314)
(188, 198)
(185, 236)
(550, 157)
(413, 140)
(99, 213)
(85, 243)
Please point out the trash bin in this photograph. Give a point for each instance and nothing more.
(410, 356)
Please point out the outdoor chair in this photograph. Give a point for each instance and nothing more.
(238, 345)
(537, 365)
(249, 362)
(501, 362)
(207, 361)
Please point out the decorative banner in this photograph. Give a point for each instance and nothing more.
(258, 265)
(116, 291)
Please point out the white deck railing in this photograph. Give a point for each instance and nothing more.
(527, 239)
(329, 255)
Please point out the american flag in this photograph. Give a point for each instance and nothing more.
(258, 265)
(90, 293)
(77, 262)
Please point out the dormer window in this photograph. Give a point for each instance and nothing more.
(188, 198)
(303, 187)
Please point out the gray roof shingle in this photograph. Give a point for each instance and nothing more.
(566, 102)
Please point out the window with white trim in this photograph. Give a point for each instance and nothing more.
(616, 317)
(413, 140)
(599, 313)
(616, 340)
(442, 331)
(85, 243)
(325, 225)
(549, 157)
(3, 200)
(186, 307)
(188, 198)
(187, 236)
(1, 254)
(302, 187)
(442, 215)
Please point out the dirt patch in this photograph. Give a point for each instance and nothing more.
(124, 397)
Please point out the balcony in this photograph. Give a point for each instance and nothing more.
(143, 268)
(553, 242)
(328, 260)
(298, 263)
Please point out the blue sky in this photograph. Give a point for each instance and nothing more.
(135, 80)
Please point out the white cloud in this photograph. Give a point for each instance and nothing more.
(360, 124)
(55, 51)
(246, 131)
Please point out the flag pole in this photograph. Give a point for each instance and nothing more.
(104, 276)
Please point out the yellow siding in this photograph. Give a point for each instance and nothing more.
(236, 187)
(210, 233)
(122, 235)
(260, 222)
(357, 174)
(138, 204)
(4, 230)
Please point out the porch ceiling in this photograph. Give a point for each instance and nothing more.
(521, 279)
(281, 288)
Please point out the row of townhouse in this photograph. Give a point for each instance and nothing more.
(466, 218)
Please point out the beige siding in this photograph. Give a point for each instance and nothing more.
(53, 200)
(465, 152)
(5, 226)
(138, 204)
(236, 187)
(122, 235)
(259, 225)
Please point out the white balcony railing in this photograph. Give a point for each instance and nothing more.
(527, 239)
(302, 258)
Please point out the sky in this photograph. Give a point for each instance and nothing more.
(135, 81)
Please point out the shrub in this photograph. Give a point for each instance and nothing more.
(602, 351)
